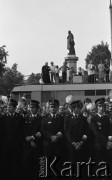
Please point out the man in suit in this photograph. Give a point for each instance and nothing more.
(33, 142)
(12, 142)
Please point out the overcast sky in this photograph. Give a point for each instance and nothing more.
(35, 31)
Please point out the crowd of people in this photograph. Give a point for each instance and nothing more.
(77, 132)
(103, 73)
(51, 74)
(93, 74)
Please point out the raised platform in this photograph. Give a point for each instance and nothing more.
(80, 91)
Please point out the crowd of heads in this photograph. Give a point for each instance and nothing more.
(87, 107)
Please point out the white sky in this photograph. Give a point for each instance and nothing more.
(35, 31)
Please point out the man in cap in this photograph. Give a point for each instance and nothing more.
(53, 132)
(12, 142)
(76, 132)
(32, 144)
(102, 134)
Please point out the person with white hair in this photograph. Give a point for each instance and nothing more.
(91, 72)
(68, 100)
(91, 110)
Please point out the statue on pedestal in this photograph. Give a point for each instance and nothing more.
(70, 43)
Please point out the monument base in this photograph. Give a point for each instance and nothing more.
(71, 61)
(77, 79)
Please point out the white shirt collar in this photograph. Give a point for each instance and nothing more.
(75, 115)
(34, 115)
(53, 115)
(11, 114)
(100, 115)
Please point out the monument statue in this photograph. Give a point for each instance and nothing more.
(70, 43)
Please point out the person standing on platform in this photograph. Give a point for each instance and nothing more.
(46, 73)
(57, 71)
(107, 68)
(72, 73)
(12, 138)
(91, 72)
(64, 69)
(33, 142)
(52, 71)
(110, 71)
(80, 72)
(101, 71)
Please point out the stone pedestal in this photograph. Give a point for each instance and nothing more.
(71, 61)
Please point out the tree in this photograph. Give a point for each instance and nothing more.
(98, 53)
(10, 79)
(3, 60)
(34, 78)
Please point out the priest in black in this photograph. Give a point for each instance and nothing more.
(46, 73)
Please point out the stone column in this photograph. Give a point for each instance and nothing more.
(71, 61)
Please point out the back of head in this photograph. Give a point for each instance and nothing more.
(12, 102)
(87, 100)
(51, 63)
(69, 99)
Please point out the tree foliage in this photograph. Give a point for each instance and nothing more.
(98, 53)
(3, 59)
(10, 79)
(34, 78)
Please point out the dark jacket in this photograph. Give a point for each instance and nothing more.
(50, 127)
(12, 130)
(75, 128)
(32, 127)
(100, 127)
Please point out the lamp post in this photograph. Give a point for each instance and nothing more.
(110, 74)
(110, 7)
